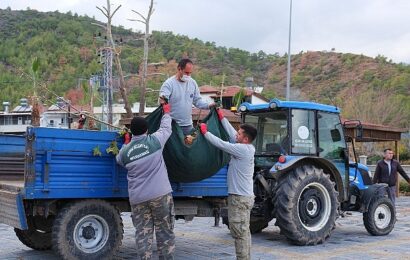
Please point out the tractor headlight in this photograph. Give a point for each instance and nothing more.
(273, 105)
(242, 108)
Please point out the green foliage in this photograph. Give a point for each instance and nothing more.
(97, 151)
(35, 65)
(368, 76)
(113, 148)
(404, 186)
(238, 98)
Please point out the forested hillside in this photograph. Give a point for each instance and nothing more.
(373, 90)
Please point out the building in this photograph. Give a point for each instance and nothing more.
(16, 120)
(62, 115)
(212, 93)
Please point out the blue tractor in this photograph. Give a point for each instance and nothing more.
(303, 176)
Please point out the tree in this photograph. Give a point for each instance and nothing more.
(144, 20)
(35, 112)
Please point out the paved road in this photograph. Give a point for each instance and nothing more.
(200, 240)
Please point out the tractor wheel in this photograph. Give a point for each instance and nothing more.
(225, 221)
(256, 225)
(306, 206)
(38, 234)
(90, 229)
(380, 217)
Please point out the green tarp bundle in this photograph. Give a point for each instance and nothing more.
(195, 162)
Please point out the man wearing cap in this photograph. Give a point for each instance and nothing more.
(149, 189)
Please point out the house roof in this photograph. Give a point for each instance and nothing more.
(207, 89)
(201, 114)
(231, 91)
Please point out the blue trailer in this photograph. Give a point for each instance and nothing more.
(60, 189)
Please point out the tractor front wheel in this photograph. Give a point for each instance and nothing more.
(380, 217)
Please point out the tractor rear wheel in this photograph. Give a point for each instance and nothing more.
(256, 225)
(380, 217)
(306, 205)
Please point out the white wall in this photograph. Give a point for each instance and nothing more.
(256, 100)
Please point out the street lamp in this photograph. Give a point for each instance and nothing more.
(288, 70)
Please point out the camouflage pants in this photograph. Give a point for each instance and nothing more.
(239, 210)
(155, 215)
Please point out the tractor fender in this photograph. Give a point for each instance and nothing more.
(373, 191)
(279, 169)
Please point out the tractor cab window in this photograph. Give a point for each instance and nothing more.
(331, 140)
(303, 132)
(272, 132)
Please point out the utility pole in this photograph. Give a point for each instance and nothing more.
(289, 56)
(114, 54)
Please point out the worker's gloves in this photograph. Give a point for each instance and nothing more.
(163, 100)
(204, 128)
(127, 138)
(166, 108)
(220, 114)
(211, 105)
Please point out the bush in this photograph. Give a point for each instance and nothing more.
(404, 186)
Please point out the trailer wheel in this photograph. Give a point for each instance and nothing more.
(38, 234)
(306, 206)
(380, 218)
(90, 229)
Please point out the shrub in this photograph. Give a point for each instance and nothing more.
(404, 186)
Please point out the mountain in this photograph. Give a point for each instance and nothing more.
(370, 89)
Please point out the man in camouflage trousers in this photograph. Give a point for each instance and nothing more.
(240, 180)
(149, 188)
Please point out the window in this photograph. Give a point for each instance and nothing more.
(303, 132)
(331, 139)
(272, 132)
(272, 138)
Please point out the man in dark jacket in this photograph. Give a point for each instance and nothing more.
(386, 172)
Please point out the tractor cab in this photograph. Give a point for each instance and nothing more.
(289, 130)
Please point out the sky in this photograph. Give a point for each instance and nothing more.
(368, 27)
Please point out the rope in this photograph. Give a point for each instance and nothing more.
(45, 100)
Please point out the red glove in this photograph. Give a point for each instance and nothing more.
(166, 108)
(204, 128)
(127, 138)
(220, 114)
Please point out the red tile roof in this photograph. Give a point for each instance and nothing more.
(207, 89)
(230, 91)
(201, 114)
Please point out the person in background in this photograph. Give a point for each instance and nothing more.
(240, 180)
(149, 188)
(386, 172)
(182, 91)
